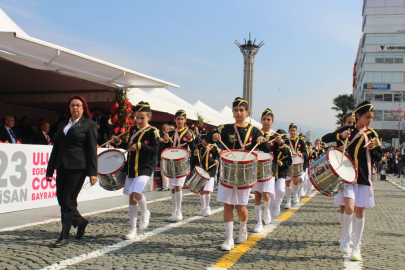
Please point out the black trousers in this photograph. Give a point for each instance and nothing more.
(68, 185)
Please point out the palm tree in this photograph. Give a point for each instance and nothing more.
(343, 104)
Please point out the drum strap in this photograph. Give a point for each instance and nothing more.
(177, 140)
(369, 166)
(242, 145)
(292, 148)
(355, 137)
(136, 134)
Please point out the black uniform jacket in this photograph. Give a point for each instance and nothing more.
(357, 151)
(312, 156)
(248, 134)
(141, 161)
(299, 145)
(182, 140)
(77, 150)
(280, 152)
(209, 158)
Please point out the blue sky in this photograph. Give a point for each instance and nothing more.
(306, 61)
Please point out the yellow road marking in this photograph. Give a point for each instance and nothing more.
(228, 260)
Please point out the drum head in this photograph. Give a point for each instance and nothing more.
(240, 156)
(263, 157)
(296, 159)
(174, 154)
(110, 165)
(203, 173)
(346, 170)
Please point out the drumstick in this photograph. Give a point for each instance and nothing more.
(199, 160)
(212, 166)
(368, 143)
(250, 151)
(113, 140)
(168, 135)
(227, 148)
(344, 150)
(117, 154)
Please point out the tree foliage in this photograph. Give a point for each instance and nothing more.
(343, 104)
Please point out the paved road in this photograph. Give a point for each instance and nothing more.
(306, 240)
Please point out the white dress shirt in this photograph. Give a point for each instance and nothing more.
(12, 137)
(69, 125)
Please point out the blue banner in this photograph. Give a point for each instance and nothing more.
(377, 86)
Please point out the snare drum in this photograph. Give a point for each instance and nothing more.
(239, 171)
(297, 167)
(175, 162)
(374, 169)
(327, 174)
(264, 166)
(197, 179)
(111, 171)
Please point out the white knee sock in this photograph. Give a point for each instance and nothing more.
(229, 229)
(243, 224)
(295, 189)
(347, 221)
(133, 215)
(258, 209)
(272, 203)
(353, 224)
(288, 194)
(279, 197)
(207, 200)
(179, 199)
(142, 205)
(202, 199)
(174, 202)
(267, 206)
(358, 231)
(341, 223)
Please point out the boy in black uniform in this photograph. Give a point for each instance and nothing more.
(299, 148)
(180, 137)
(205, 156)
(282, 161)
(364, 149)
(240, 135)
(320, 151)
(143, 146)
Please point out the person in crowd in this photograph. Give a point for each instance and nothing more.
(391, 163)
(40, 121)
(7, 132)
(197, 138)
(383, 163)
(401, 163)
(74, 156)
(43, 137)
(22, 128)
(172, 127)
(102, 126)
(32, 130)
(165, 180)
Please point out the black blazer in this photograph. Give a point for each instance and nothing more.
(5, 136)
(77, 149)
(41, 139)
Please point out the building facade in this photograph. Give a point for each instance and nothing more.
(310, 136)
(379, 69)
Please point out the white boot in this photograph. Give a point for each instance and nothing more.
(207, 212)
(258, 228)
(356, 256)
(131, 235)
(179, 216)
(144, 220)
(228, 244)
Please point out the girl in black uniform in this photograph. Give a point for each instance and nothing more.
(282, 161)
(348, 120)
(298, 147)
(240, 135)
(318, 148)
(180, 137)
(143, 147)
(360, 194)
(206, 155)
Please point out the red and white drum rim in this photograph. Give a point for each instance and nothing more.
(177, 159)
(264, 160)
(317, 188)
(351, 160)
(298, 163)
(239, 161)
(200, 174)
(111, 150)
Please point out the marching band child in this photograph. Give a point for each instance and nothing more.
(143, 146)
(240, 135)
(364, 148)
(298, 147)
(180, 137)
(206, 155)
(282, 161)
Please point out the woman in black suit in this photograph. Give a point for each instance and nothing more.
(74, 156)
